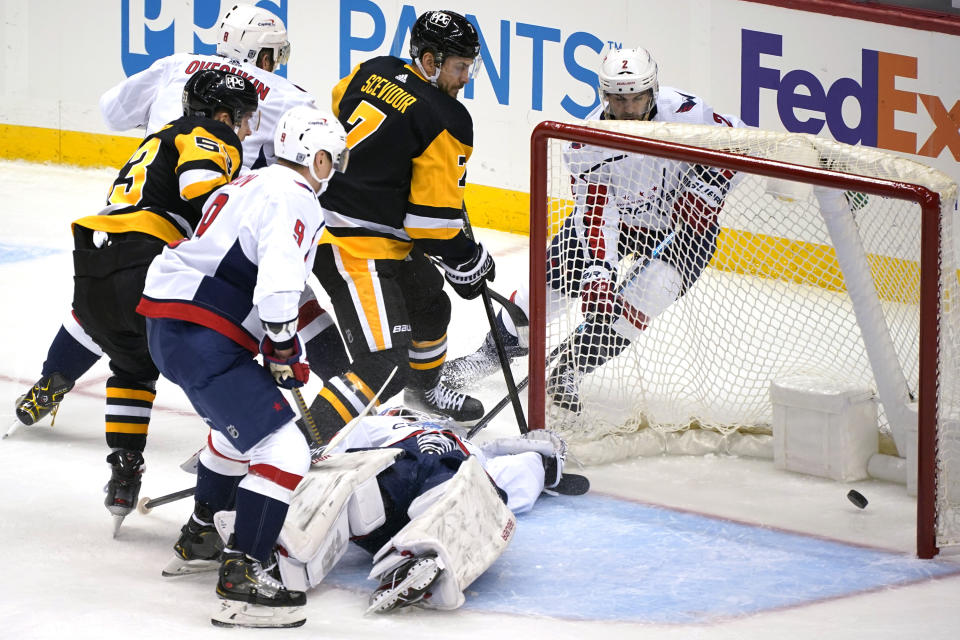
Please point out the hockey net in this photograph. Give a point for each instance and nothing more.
(856, 291)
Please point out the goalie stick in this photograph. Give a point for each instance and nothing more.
(632, 273)
(350, 426)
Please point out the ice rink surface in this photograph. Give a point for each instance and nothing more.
(666, 547)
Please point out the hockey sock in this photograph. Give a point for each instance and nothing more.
(426, 359)
(216, 491)
(128, 413)
(68, 356)
(326, 354)
(259, 520)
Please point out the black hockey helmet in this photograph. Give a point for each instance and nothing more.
(212, 89)
(444, 33)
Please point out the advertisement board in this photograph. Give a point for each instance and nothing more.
(786, 69)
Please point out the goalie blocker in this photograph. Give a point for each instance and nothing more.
(434, 510)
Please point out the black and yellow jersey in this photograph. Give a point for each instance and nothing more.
(409, 145)
(162, 188)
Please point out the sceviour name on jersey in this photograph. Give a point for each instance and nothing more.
(389, 92)
(199, 65)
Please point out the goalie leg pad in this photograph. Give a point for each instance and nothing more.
(317, 527)
(365, 508)
(464, 522)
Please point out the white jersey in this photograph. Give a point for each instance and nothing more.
(514, 473)
(248, 261)
(152, 98)
(614, 189)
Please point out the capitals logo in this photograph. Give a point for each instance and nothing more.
(153, 29)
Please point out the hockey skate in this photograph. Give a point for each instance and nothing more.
(405, 585)
(252, 597)
(198, 548)
(470, 369)
(43, 399)
(445, 401)
(123, 488)
(563, 387)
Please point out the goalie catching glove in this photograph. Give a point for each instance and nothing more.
(289, 372)
(551, 447)
(597, 291)
(467, 277)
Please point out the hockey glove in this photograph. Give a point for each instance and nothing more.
(467, 277)
(554, 460)
(597, 294)
(551, 447)
(288, 372)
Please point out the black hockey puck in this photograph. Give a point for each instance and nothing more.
(857, 498)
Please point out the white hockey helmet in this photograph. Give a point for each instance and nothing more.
(627, 71)
(303, 131)
(245, 30)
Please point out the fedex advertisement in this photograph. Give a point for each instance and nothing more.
(892, 102)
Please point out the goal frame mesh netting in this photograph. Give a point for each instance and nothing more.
(937, 440)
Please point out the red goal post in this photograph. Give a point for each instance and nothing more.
(771, 156)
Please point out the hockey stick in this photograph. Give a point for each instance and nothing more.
(145, 504)
(315, 439)
(632, 273)
(498, 340)
(350, 426)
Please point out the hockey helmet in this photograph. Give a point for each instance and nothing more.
(303, 131)
(212, 89)
(444, 33)
(246, 30)
(625, 71)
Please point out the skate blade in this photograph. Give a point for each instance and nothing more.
(180, 567)
(419, 579)
(232, 613)
(13, 428)
(117, 521)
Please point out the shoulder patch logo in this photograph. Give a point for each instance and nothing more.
(402, 77)
(689, 102)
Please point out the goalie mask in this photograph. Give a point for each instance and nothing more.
(246, 30)
(628, 84)
(303, 132)
(444, 33)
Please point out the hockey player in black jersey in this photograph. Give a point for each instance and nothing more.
(251, 42)
(156, 199)
(401, 201)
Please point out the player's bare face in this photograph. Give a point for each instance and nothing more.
(630, 106)
(454, 74)
(246, 126)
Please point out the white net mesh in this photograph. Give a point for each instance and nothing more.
(800, 282)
